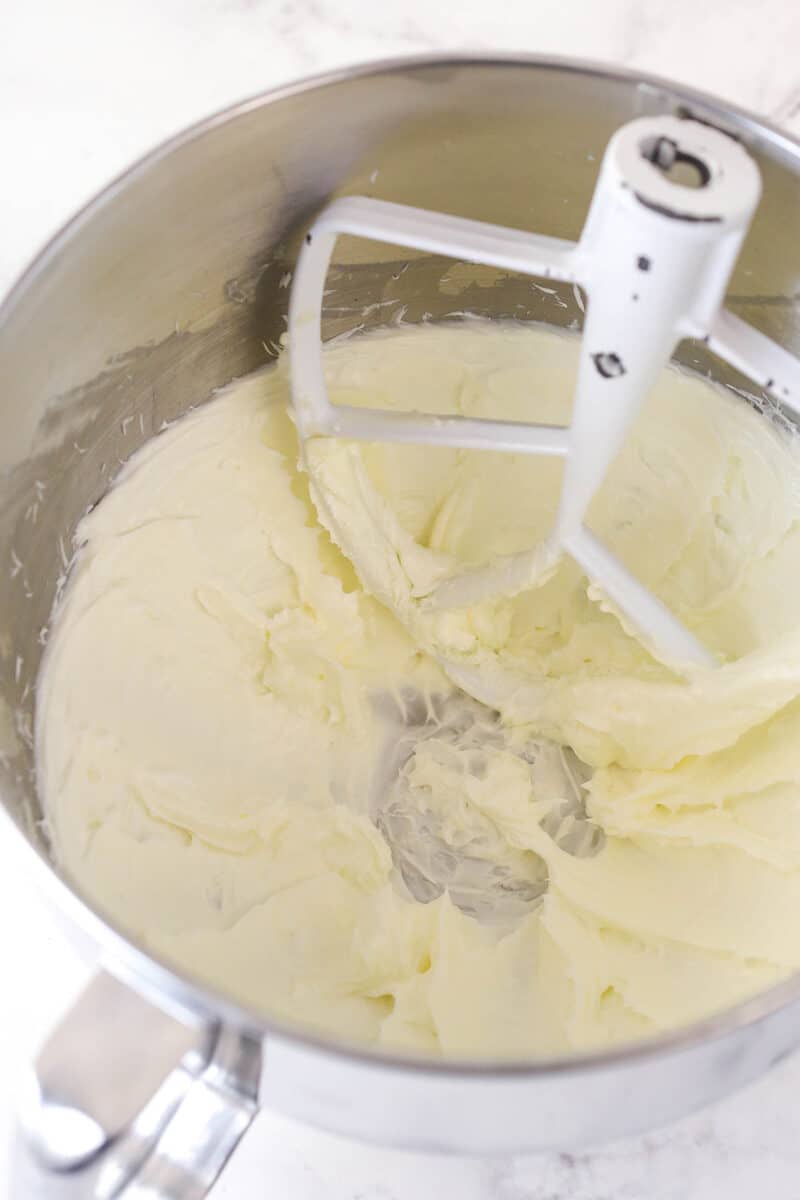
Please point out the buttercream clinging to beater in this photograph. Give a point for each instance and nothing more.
(213, 709)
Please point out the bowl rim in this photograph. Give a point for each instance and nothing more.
(179, 991)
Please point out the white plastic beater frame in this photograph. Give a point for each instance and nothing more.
(655, 257)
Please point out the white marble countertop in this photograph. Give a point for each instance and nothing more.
(88, 85)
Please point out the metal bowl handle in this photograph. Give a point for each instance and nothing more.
(125, 1101)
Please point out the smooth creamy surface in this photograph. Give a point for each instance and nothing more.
(221, 696)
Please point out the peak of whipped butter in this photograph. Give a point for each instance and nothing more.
(210, 711)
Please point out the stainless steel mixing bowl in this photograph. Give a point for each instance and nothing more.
(168, 285)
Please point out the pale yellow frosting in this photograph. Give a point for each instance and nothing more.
(212, 717)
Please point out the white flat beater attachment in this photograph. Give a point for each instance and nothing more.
(655, 256)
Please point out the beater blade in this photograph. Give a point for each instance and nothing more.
(672, 204)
